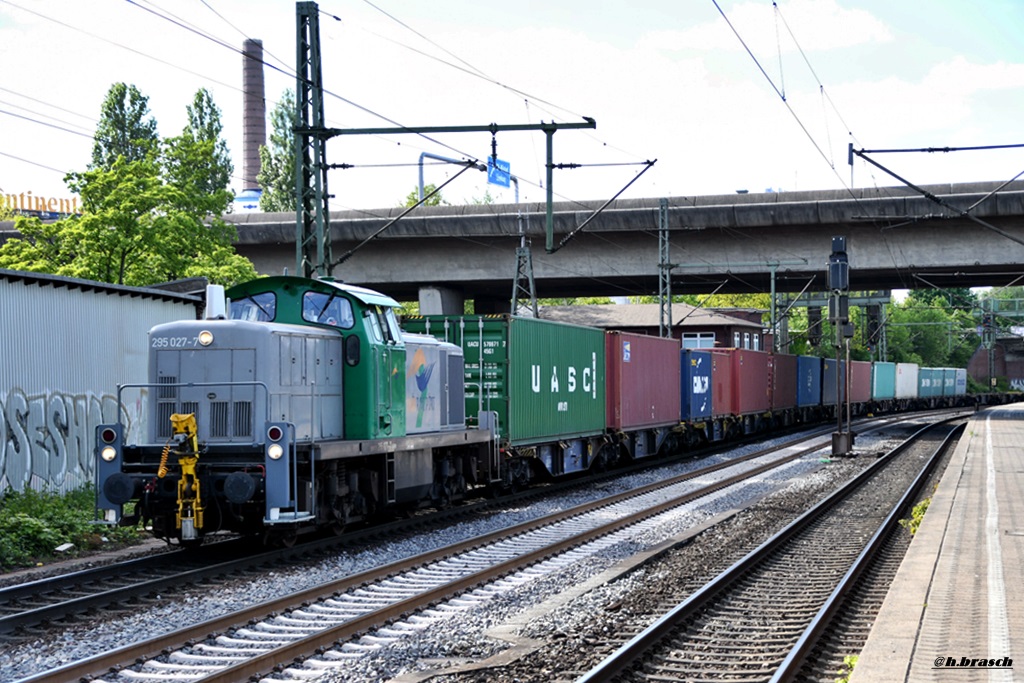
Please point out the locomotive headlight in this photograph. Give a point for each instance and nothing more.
(205, 338)
(275, 451)
(108, 453)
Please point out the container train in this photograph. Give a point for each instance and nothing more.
(298, 405)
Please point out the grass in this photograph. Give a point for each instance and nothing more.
(916, 515)
(849, 661)
(33, 524)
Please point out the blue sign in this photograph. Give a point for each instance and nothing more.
(625, 351)
(498, 172)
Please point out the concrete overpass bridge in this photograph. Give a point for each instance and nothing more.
(896, 238)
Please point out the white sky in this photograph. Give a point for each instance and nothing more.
(664, 79)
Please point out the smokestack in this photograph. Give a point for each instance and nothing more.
(254, 105)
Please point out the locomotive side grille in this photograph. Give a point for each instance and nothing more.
(189, 407)
(243, 418)
(166, 404)
(218, 419)
(164, 411)
(164, 393)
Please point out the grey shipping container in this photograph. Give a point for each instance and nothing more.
(544, 379)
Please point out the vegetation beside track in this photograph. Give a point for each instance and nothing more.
(33, 524)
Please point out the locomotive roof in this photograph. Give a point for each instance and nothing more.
(367, 296)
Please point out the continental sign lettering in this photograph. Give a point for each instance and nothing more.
(26, 201)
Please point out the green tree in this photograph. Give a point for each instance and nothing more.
(125, 129)
(486, 200)
(6, 212)
(277, 161)
(144, 221)
(198, 161)
(414, 196)
(924, 330)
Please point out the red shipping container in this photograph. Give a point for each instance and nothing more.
(721, 383)
(860, 381)
(751, 381)
(784, 381)
(745, 387)
(642, 380)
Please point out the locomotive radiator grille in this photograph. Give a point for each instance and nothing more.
(167, 405)
(218, 419)
(243, 418)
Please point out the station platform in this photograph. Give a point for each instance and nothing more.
(955, 612)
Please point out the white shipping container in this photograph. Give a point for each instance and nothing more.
(961, 382)
(906, 380)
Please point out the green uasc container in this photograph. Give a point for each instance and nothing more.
(544, 379)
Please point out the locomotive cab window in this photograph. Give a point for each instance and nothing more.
(373, 322)
(259, 308)
(383, 324)
(327, 309)
(392, 321)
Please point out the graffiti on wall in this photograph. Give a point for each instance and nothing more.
(1017, 384)
(46, 439)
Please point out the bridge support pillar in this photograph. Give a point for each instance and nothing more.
(441, 301)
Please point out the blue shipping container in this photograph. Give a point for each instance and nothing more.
(808, 384)
(695, 384)
(929, 382)
(961, 382)
(949, 381)
(883, 381)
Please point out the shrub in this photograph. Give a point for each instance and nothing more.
(33, 523)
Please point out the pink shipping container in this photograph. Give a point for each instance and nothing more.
(642, 380)
(860, 381)
(784, 379)
(744, 387)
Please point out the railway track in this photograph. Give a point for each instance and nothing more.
(253, 641)
(30, 608)
(763, 619)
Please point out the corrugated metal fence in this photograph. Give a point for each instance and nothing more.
(65, 345)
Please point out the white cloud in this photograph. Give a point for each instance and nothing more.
(818, 25)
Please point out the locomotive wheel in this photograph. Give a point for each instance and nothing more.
(280, 539)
